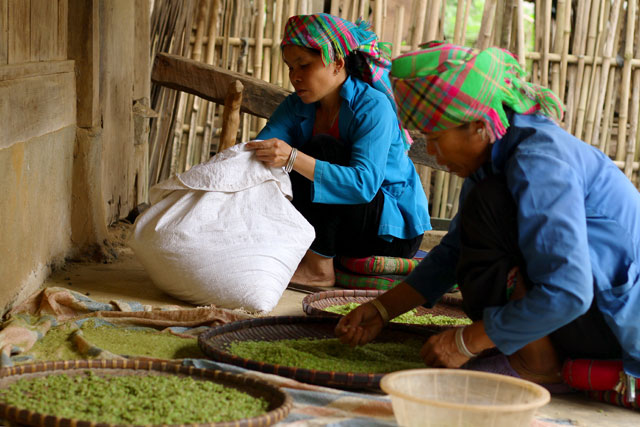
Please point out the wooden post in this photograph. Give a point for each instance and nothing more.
(231, 116)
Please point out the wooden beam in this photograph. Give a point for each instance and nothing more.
(211, 83)
(259, 98)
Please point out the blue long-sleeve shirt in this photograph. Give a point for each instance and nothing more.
(579, 232)
(369, 126)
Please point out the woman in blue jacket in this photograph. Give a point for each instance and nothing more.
(546, 247)
(340, 138)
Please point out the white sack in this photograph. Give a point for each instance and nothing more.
(223, 233)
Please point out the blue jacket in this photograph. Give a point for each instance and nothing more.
(369, 125)
(579, 232)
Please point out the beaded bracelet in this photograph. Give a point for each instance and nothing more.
(462, 348)
(292, 159)
(383, 311)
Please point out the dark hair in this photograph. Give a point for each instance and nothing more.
(355, 63)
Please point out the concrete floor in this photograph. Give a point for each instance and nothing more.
(125, 279)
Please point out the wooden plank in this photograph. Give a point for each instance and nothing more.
(259, 98)
(61, 34)
(33, 69)
(44, 29)
(4, 31)
(34, 106)
(142, 62)
(211, 83)
(19, 27)
(83, 46)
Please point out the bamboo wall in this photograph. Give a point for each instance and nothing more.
(587, 51)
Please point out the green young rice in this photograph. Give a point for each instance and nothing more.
(57, 345)
(411, 316)
(132, 399)
(332, 355)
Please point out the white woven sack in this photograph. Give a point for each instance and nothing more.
(223, 233)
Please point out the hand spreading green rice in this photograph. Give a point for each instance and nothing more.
(410, 317)
(132, 399)
(332, 355)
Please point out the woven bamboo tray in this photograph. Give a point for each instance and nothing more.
(316, 304)
(279, 402)
(215, 343)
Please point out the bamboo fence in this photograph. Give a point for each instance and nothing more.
(587, 51)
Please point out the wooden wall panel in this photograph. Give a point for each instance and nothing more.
(44, 29)
(36, 105)
(61, 41)
(19, 26)
(4, 32)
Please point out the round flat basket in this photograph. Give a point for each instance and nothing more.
(215, 344)
(279, 402)
(317, 304)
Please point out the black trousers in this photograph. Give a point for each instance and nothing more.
(489, 249)
(347, 230)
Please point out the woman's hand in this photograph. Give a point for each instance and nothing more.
(272, 152)
(359, 326)
(440, 351)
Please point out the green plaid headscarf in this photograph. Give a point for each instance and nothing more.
(443, 86)
(335, 38)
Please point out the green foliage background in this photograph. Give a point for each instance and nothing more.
(475, 20)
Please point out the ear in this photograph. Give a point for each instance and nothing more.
(480, 128)
(339, 65)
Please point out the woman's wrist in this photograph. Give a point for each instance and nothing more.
(382, 311)
(291, 160)
(475, 338)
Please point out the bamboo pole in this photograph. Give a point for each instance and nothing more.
(496, 28)
(613, 88)
(520, 47)
(276, 55)
(419, 23)
(378, 25)
(209, 107)
(575, 73)
(335, 7)
(623, 144)
(437, 193)
(442, 213)
(258, 55)
(634, 147)
(231, 115)
(586, 77)
(291, 12)
(194, 105)
(507, 24)
(608, 51)
(460, 20)
(608, 123)
(564, 49)
(558, 43)
(397, 31)
(546, 40)
(465, 21)
(257, 51)
(488, 14)
(432, 24)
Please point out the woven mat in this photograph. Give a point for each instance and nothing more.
(215, 342)
(279, 402)
(315, 406)
(317, 303)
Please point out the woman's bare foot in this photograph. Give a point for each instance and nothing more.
(537, 362)
(315, 270)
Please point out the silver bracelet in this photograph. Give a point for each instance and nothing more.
(462, 348)
(292, 159)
